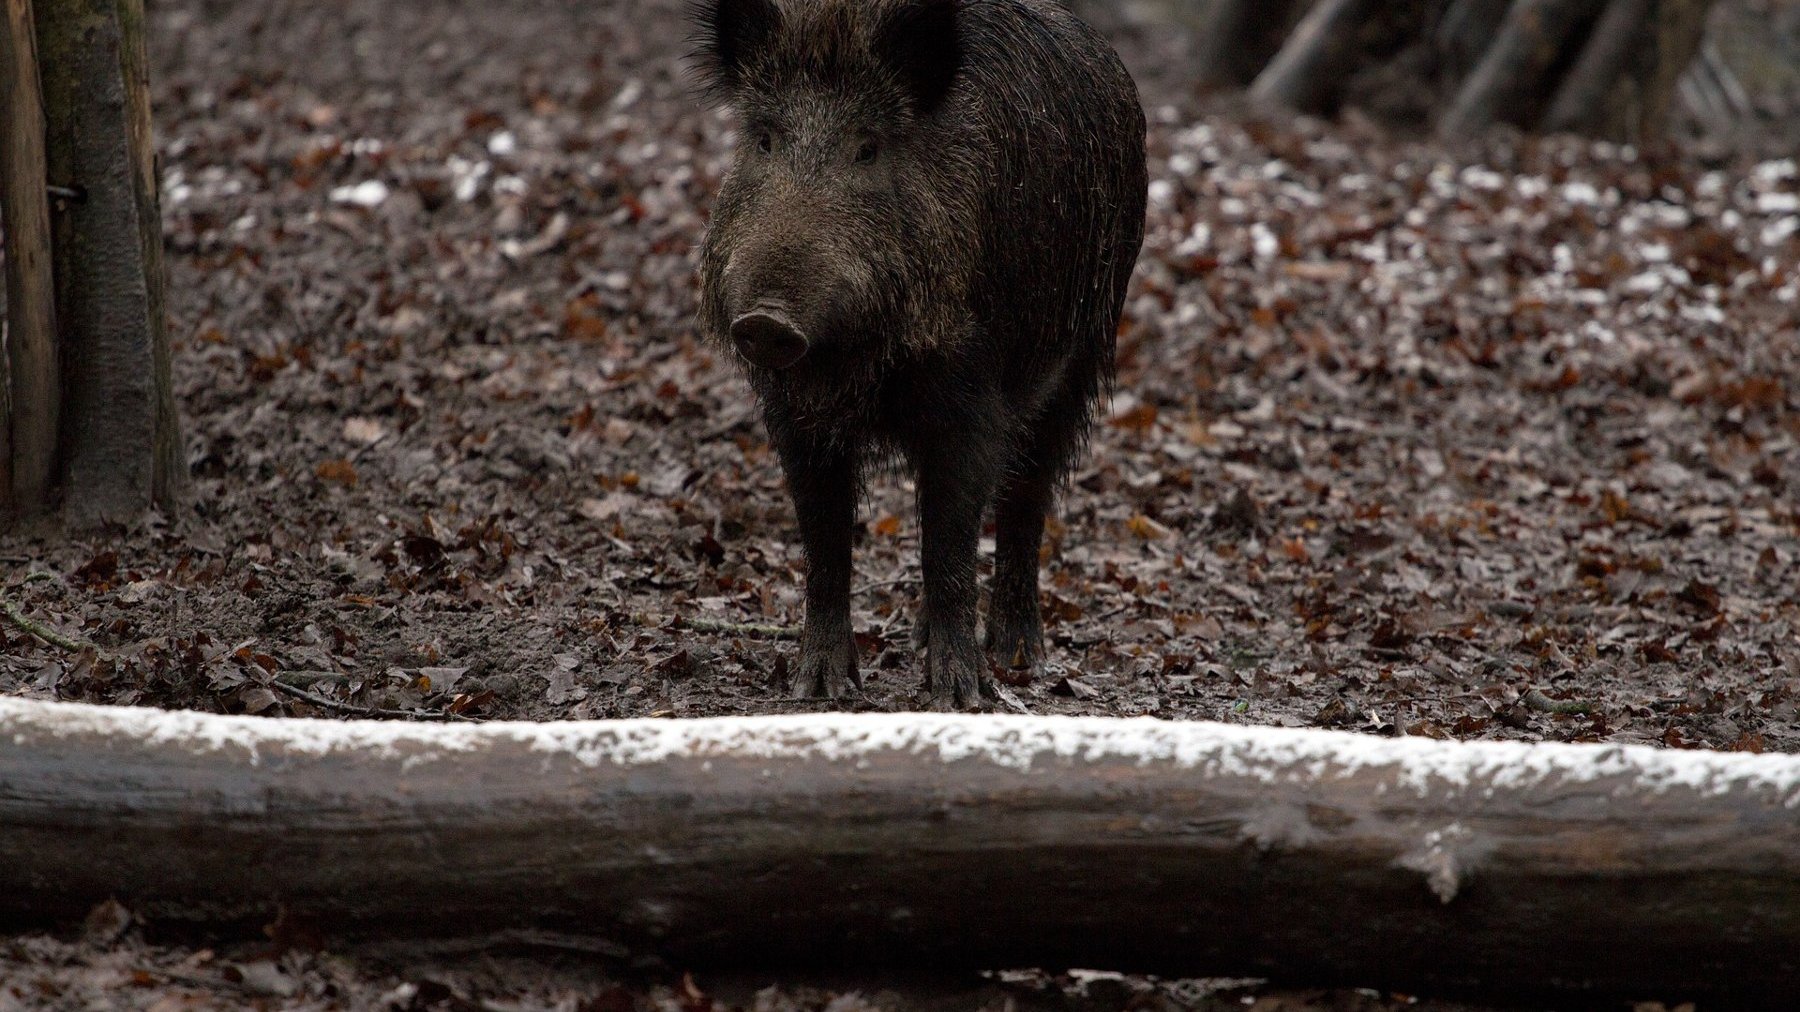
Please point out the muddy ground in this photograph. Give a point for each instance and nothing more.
(1497, 442)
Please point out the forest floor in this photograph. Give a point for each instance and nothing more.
(1495, 442)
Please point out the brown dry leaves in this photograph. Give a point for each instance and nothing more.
(1490, 443)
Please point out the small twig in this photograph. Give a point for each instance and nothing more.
(1536, 700)
(894, 617)
(355, 456)
(308, 679)
(762, 631)
(774, 632)
(366, 711)
(474, 944)
(1112, 613)
(42, 631)
(195, 980)
(882, 584)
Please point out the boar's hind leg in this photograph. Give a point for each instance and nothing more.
(1015, 629)
(956, 481)
(1015, 632)
(823, 485)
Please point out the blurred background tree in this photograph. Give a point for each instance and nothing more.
(1626, 70)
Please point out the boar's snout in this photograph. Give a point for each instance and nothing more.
(767, 337)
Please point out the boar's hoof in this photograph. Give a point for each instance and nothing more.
(1014, 648)
(767, 338)
(954, 679)
(826, 671)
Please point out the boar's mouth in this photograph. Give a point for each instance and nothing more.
(767, 337)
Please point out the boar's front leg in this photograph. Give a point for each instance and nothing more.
(956, 481)
(823, 485)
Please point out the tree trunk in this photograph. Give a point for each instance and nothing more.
(119, 435)
(29, 382)
(1510, 82)
(1607, 67)
(1237, 37)
(1625, 81)
(1310, 68)
(956, 842)
(1464, 33)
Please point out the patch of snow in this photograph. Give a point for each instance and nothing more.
(1529, 187)
(628, 94)
(1479, 177)
(1025, 744)
(1581, 193)
(1264, 242)
(1772, 172)
(469, 176)
(370, 193)
(1777, 203)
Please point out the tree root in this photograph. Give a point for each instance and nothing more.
(42, 631)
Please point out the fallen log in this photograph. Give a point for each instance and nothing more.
(947, 841)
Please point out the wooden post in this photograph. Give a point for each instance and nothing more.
(119, 433)
(29, 383)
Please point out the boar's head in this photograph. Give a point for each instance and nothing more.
(846, 228)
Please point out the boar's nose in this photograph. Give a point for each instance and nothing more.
(766, 337)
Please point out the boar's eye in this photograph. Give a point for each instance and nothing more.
(870, 149)
(765, 141)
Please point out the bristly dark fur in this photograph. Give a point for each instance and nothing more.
(920, 42)
(725, 33)
(946, 197)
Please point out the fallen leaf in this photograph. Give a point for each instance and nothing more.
(338, 471)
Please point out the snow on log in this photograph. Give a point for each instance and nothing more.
(949, 841)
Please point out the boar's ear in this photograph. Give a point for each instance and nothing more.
(726, 34)
(919, 40)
